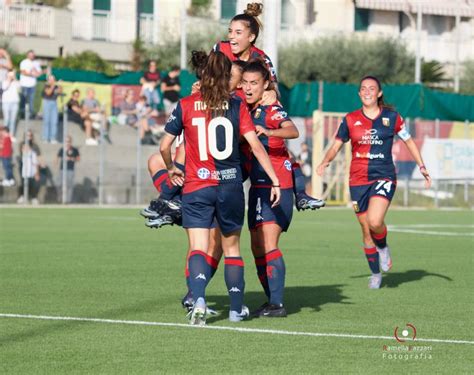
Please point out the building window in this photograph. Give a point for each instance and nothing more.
(228, 9)
(102, 5)
(145, 6)
(287, 13)
(361, 19)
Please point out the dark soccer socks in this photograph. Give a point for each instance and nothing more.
(261, 265)
(199, 273)
(299, 185)
(380, 239)
(234, 279)
(276, 276)
(373, 258)
(163, 184)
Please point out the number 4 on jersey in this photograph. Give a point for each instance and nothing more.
(211, 137)
(383, 185)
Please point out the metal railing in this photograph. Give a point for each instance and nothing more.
(27, 20)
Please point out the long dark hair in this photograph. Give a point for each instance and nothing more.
(380, 101)
(215, 77)
(250, 17)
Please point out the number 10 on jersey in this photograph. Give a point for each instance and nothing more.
(207, 137)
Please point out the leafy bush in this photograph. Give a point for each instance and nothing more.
(345, 59)
(467, 79)
(87, 60)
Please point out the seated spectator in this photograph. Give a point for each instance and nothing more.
(77, 115)
(93, 111)
(171, 87)
(6, 154)
(128, 110)
(147, 123)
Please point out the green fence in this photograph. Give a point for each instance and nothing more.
(303, 99)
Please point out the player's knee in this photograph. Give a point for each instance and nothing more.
(155, 163)
(375, 223)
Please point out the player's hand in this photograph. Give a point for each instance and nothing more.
(176, 176)
(321, 167)
(427, 177)
(269, 97)
(275, 195)
(261, 131)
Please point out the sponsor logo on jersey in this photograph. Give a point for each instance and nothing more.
(258, 112)
(203, 173)
(356, 206)
(385, 121)
(287, 165)
(357, 123)
(368, 155)
(370, 138)
(280, 115)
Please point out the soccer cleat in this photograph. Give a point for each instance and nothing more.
(235, 316)
(256, 313)
(188, 301)
(304, 202)
(375, 281)
(164, 207)
(148, 212)
(385, 259)
(197, 316)
(159, 221)
(273, 311)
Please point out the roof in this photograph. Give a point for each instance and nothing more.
(435, 7)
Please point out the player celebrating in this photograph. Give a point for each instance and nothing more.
(372, 174)
(213, 122)
(265, 221)
(243, 32)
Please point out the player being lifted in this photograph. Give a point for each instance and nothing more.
(212, 122)
(372, 178)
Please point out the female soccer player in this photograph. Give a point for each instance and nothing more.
(372, 177)
(265, 221)
(243, 33)
(212, 122)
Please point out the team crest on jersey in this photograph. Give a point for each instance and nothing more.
(203, 173)
(280, 115)
(385, 121)
(356, 206)
(287, 165)
(258, 112)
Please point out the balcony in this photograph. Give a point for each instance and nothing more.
(27, 20)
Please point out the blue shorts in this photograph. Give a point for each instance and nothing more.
(360, 195)
(261, 211)
(225, 203)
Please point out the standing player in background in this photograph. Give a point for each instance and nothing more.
(212, 122)
(266, 222)
(243, 32)
(372, 178)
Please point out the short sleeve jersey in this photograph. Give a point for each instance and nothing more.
(371, 142)
(271, 117)
(211, 143)
(224, 47)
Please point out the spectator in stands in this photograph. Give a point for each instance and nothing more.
(6, 153)
(50, 94)
(147, 123)
(5, 66)
(10, 101)
(29, 170)
(171, 87)
(305, 160)
(72, 157)
(150, 82)
(93, 112)
(76, 114)
(128, 110)
(30, 70)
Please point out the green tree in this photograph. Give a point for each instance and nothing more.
(433, 74)
(467, 78)
(345, 59)
(87, 60)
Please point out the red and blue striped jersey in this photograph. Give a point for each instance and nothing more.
(371, 142)
(211, 143)
(271, 117)
(224, 47)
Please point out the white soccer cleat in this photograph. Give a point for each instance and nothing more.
(235, 316)
(385, 259)
(198, 313)
(375, 281)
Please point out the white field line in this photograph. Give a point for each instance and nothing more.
(418, 229)
(224, 328)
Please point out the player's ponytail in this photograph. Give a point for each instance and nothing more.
(250, 17)
(380, 101)
(215, 82)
